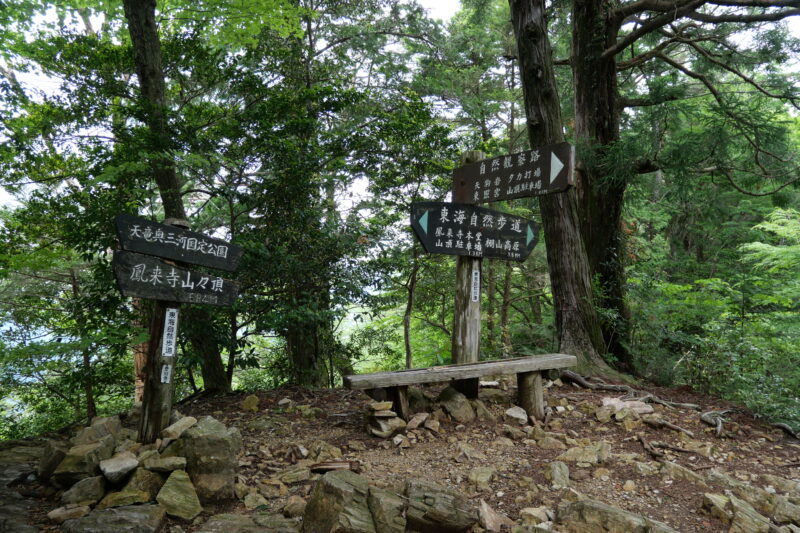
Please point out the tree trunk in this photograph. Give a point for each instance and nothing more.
(577, 324)
(600, 195)
(489, 280)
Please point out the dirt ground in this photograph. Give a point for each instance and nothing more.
(750, 447)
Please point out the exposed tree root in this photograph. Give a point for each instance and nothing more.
(658, 423)
(649, 447)
(788, 430)
(715, 419)
(574, 377)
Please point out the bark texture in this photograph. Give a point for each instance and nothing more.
(577, 324)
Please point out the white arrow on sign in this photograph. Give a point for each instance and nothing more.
(555, 166)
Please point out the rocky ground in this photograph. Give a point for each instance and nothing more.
(596, 464)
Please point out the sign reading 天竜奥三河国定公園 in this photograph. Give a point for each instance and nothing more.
(138, 234)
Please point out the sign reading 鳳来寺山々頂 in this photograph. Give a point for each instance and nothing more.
(469, 230)
(143, 276)
(544, 170)
(144, 236)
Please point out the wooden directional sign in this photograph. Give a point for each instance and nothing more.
(544, 170)
(469, 230)
(143, 276)
(144, 236)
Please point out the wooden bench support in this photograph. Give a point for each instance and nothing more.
(397, 395)
(531, 393)
(467, 387)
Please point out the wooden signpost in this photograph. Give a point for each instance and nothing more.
(140, 273)
(472, 233)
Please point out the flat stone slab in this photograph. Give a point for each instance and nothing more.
(130, 519)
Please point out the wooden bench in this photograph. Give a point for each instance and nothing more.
(393, 386)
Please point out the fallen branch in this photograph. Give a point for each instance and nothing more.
(715, 419)
(658, 423)
(791, 465)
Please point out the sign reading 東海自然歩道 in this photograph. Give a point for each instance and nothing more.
(473, 231)
(544, 170)
(147, 237)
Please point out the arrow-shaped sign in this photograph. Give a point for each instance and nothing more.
(470, 230)
(544, 170)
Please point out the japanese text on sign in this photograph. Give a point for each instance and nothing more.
(469, 230)
(170, 333)
(530, 173)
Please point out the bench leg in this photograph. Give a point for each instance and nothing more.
(467, 387)
(531, 393)
(399, 397)
(379, 394)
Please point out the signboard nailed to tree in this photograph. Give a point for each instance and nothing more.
(544, 170)
(469, 230)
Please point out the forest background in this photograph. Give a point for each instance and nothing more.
(303, 130)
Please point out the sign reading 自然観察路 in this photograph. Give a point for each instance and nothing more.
(544, 170)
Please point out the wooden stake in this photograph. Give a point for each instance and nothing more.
(467, 312)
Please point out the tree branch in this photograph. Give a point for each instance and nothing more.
(652, 24)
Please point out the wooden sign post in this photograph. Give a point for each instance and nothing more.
(142, 275)
(470, 232)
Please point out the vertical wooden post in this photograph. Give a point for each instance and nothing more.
(157, 398)
(467, 312)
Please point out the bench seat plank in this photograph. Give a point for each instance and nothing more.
(463, 371)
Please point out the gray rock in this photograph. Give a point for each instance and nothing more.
(211, 452)
(481, 476)
(123, 498)
(785, 512)
(589, 516)
(596, 453)
(436, 509)
(275, 524)
(388, 511)
(14, 509)
(53, 453)
(117, 468)
(516, 415)
(230, 523)
(131, 519)
(83, 461)
(176, 430)
(338, 504)
(557, 473)
(419, 400)
(88, 491)
(68, 512)
(109, 426)
(146, 481)
(386, 427)
(746, 519)
(482, 412)
(178, 496)
(457, 405)
(676, 472)
(295, 507)
(760, 499)
(164, 464)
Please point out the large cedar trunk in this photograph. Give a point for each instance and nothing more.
(600, 195)
(577, 324)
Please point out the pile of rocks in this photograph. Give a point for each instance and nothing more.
(382, 422)
(103, 476)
